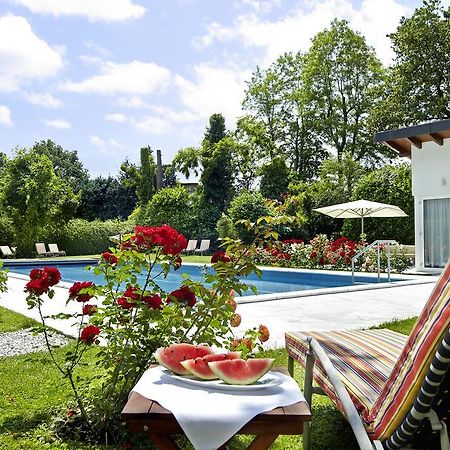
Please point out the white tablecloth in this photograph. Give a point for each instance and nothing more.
(211, 417)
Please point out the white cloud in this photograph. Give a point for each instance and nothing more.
(116, 117)
(264, 6)
(105, 146)
(135, 77)
(23, 55)
(215, 89)
(60, 124)
(131, 102)
(94, 10)
(5, 115)
(164, 119)
(293, 31)
(46, 100)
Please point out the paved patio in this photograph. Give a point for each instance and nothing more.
(344, 310)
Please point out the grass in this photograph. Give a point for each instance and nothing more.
(11, 321)
(30, 402)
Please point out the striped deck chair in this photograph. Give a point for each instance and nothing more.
(393, 389)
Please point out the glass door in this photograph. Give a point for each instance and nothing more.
(436, 231)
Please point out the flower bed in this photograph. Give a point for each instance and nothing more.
(322, 253)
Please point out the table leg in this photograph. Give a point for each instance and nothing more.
(262, 442)
(163, 441)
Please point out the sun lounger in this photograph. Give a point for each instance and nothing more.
(191, 246)
(393, 389)
(42, 251)
(6, 251)
(204, 246)
(55, 250)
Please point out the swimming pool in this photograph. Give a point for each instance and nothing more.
(272, 280)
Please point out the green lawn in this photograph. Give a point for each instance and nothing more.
(32, 393)
(11, 321)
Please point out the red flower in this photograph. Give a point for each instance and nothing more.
(130, 292)
(70, 413)
(109, 258)
(172, 242)
(153, 301)
(220, 256)
(75, 291)
(125, 303)
(184, 295)
(89, 334)
(313, 255)
(88, 310)
(42, 279)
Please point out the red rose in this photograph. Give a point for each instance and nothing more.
(53, 275)
(88, 310)
(220, 256)
(75, 291)
(131, 292)
(184, 295)
(125, 303)
(172, 242)
(89, 334)
(35, 274)
(109, 258)
(153, 301)
(37, 286)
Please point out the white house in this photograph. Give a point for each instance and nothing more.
(428, 147)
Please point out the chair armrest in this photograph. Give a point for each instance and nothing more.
(350, 411)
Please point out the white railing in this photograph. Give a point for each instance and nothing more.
(376, 244)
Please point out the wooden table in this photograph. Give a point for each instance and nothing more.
(147, 416)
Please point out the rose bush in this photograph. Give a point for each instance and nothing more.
(131, 315)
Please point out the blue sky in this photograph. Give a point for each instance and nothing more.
(106, 77)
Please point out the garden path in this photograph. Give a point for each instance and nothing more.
(343, 311)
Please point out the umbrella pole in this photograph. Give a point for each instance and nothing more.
(362, 225)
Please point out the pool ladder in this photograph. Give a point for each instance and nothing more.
(376, 244)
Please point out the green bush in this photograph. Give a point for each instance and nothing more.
(225, 227)
(81, 237)
(6, 230)
(274, 178)
(170, 206)
(247, 206)
(392, 185)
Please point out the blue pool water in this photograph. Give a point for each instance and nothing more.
(271, 281)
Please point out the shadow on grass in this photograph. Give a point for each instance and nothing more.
(22, 423)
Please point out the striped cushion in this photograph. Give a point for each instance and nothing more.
(363, 358)
(406, 378)
(384, 395)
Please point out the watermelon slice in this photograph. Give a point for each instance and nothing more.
(199, 366)
(240, 371)
(171, 356)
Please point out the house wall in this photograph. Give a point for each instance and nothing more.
(430, 179)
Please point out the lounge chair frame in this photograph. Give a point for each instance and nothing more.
(53, 248)
(315, 350)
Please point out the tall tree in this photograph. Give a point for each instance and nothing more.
(216, 130)
(417, 88)
(35, 198)
(340, 74)
(279, 119)
(66, 163)
(147, 177)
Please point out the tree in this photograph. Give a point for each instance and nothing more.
(216, 130)
(340, 73)
(147, 179)
(280, 120)
(417, 87)
(35, 198)
(169, 175)
(106, 198)
(66, 163)
(274, 179)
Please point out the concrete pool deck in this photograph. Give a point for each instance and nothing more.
(333, 311)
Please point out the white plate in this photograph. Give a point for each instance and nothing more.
(270, 379)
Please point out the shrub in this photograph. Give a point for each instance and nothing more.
(225, 227)
(391, 185)
(247, 206)
(274, 178)
(171, 206)
(6, 230)
(81, 237)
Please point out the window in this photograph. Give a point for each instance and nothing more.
(436, 230)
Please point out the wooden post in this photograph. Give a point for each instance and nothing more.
(159, 171)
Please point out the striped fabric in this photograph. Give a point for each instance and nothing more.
(434, 389)
(386, 393)
(363, 358)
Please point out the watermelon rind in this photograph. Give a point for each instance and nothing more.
(171, 356)
(240, 371)
(199, 367)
